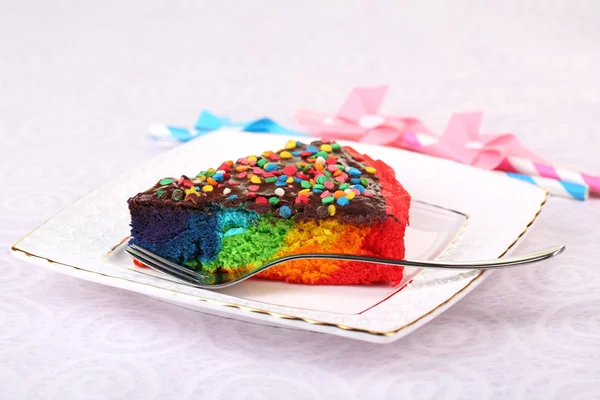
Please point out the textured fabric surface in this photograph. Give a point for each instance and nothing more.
(81, 81)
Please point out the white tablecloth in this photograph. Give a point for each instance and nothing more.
(81, 81)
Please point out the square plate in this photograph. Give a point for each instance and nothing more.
(500, 210)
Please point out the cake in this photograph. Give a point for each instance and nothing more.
(316, 198)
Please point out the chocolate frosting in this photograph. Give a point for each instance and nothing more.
(234, 187)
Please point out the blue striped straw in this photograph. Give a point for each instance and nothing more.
(556, 187)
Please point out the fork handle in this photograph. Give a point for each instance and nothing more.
(480, 264)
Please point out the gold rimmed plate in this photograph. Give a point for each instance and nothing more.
(77, 240)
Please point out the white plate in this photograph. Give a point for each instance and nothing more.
(431, 232)
(500, 209)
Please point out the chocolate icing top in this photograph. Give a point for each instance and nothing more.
(323, 179)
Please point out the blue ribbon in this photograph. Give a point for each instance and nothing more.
(208, 122)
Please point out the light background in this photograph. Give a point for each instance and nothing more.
(81, 81)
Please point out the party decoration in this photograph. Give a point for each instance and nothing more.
(359, 119)
(555, 187)
(525, 166)
(208, 122)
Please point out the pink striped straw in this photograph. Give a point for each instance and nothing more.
(524, 166)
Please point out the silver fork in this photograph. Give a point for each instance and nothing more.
(222, 280)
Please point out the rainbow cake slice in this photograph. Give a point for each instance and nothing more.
(317, 198)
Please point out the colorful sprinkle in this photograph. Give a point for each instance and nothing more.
(360, 188)
(370, 170)
(291, 144)
(255, 179)
(331, 210)
(311, 149)
(306, 184)
(261, 163)
(336, 146)
(274, 200)
(285, 212)
(351, 195)
(161, 192)
(301, 200)
(329, 185)
(207, 188)
(261, 200)
(290, 170)
(338, 194)
(233, 196)
(218, 177)
(353, 171)
(279, 192)
(343, 201)
(177, 194)
(271, 179)
(165, 181)
(364, 182)
(254, 188)
(322, 154)
(226, 191)
(321, 179)
(271, 167)
(344, 186)
(285, 154)
(327, 148)
(328, 199)
(280, 183)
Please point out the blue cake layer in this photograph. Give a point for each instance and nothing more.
(187, 235)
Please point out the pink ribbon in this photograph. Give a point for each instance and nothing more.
(359, 120)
